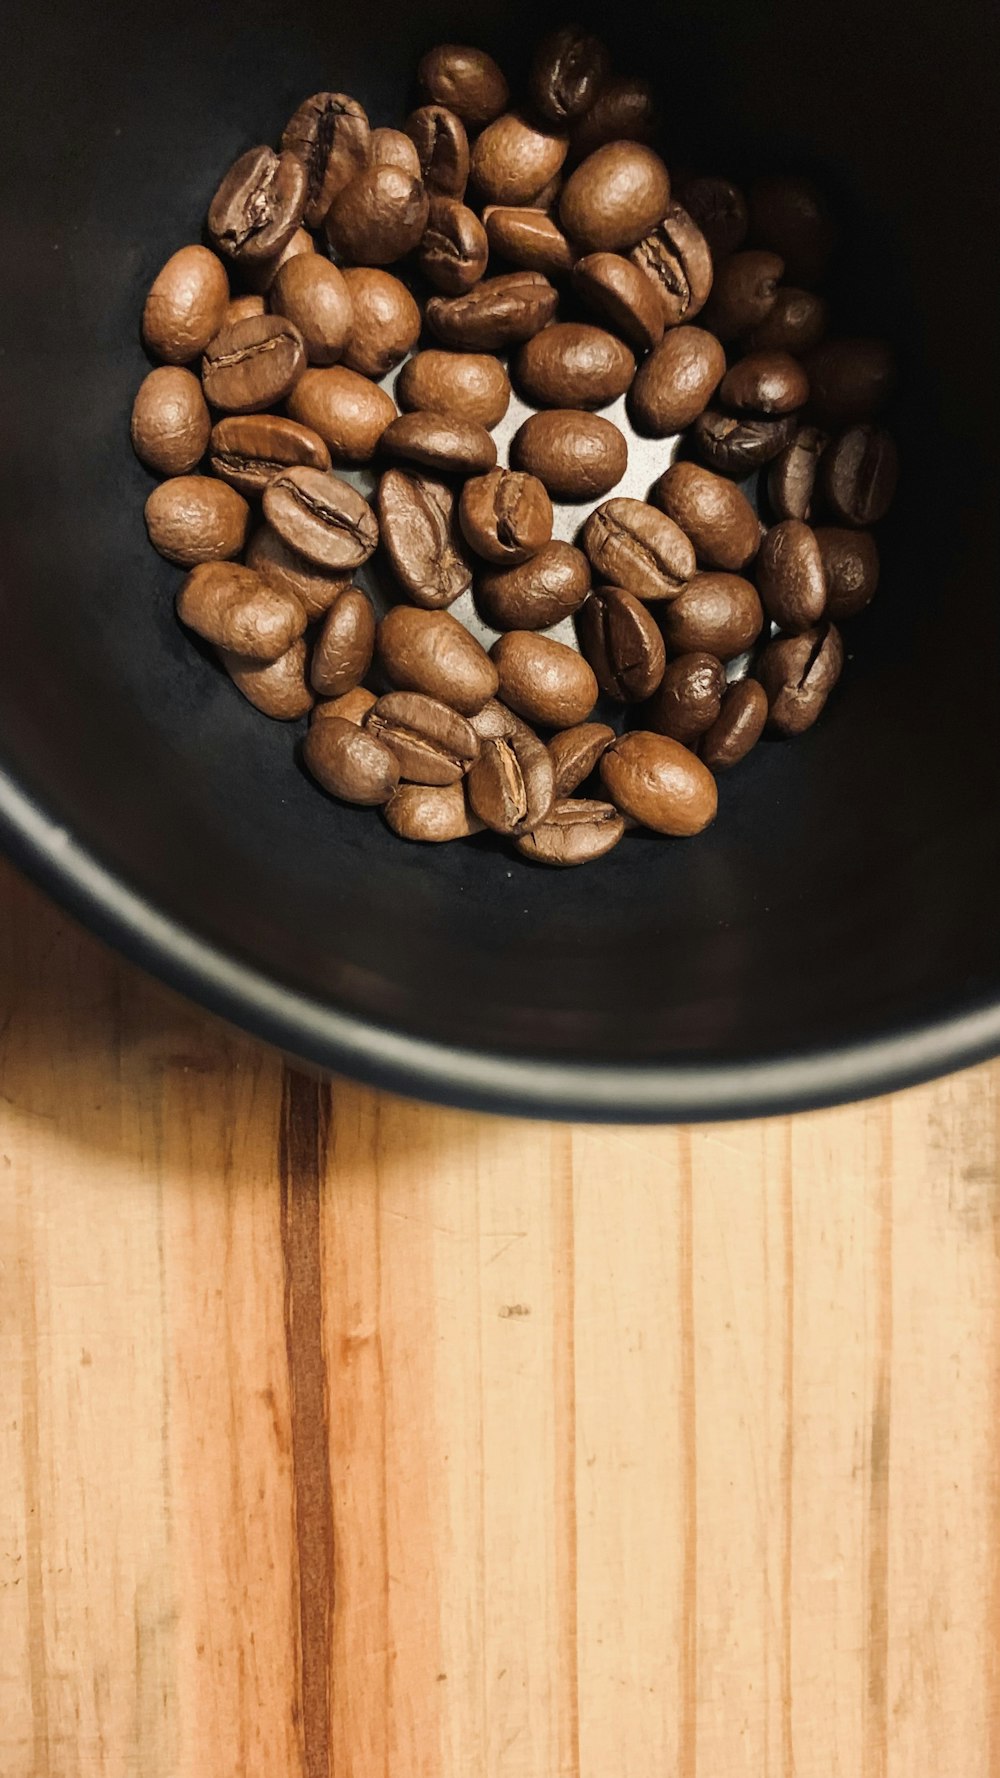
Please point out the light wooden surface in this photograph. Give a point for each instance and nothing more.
(342, 1436)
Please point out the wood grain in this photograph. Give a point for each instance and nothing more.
(345, 1438)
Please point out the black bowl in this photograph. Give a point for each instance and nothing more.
(835, 933)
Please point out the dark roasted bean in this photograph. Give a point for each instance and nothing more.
(738, 726)
(859, 473)
(623, 644)
(689, 698)
(798, 674)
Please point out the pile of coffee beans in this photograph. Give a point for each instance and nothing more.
(541, 248)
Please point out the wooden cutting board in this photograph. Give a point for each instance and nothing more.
(343, 1436)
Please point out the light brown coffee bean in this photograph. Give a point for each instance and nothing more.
(350, 763)
(568, 70)
(632, 545)
(442, 146)
(248, 449)
(850, 380)
(575, 831)
(716, 613)
(538, 593)
(331, 136)
(615, 197)
(511, 787)
(467, 80)
(505, 517)
(315, 588)
(441, 442)
(342, 652)
(676, 382)
(494, 314)
(720, 210)
(791, 579)
(528, 238)
(171, 423)
(791, 478)
(738, 726)
(494, 720)
(574, 753)
(578, 456)
(689, 698)
(278, 689)
(514, 158)
(431, 651)
(622, 643)
(349, 412)
(573, 365)
(240, 308)
(471, 385)
(623, 111)
(851, 565)
(194, 518)
(260, 275)
(379, 217)
(797, 323)
(765, 383)
(790, 216)
(798, 674)
(258, 206)
(433, 744)
(419, 525)
(186, 305)
(322, 518)
(314, 295)
(431, 813)
(543, 680)
(623, 295)
(386, 321)
(676, 259)
(659, 783)
(454, 252)
(393, 148)
(253, 365)
(236, 609)
(353, 706)
(716, 515)
(743, 294)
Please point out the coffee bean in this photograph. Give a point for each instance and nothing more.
(572, 365)
(859, 473)
(470, 385)
(315, 588)
(442, 146)
(568, 70)
(193, 518)
(236, 609)
(342, 652)
(574, 753)
(676, 382)
(790, 576)
(386, 321)
(539, 593)
(420, 532)
(789, 215)
(736, 445)
(632, 545)
(791, 479)
(454, 252)
(494, 720)
(720, 210)
(278, 689)
(186, 305)
(313, 294)
(258, 206)
(850, 380)
(261, 274)
(797, 323)
(743, 294)
(528, 238)
(468, 81)
(431, 813)
(321, 517)
(578, 456)
(380, 216)
(350, 763)
(717, 517)
(716, 613)
(513, 159)
(622, 643)
(505, 517)
(659, 783)
(575, 831)
(253, 365)
(170, 421)
(623, 295)
(238, 308)
(440, 441)
(433, 744)
(689, 698)
(543, 680)
(248, 449)
(393, 148)
(352, 706)
(676, 258)
(349, 412)
(615, 197)
(330, 135)
(738, 726)
(765, 383)
(851, 565)
(431, 651)
(798, 674)
(623, 111)
(511, 787)
(497, 313)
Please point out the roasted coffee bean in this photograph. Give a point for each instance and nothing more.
(349, 412)
(791, 479)
(258, 206)
(511, 787)
(575, 831)
(170, 421)
(622, 643)
(717, 517)
(278, 689)
(573, 365)
(420, 532)
(380, 216)
(738, 726)
(352, 706)
(797, 323)
(850, 563)
(248, 449)
(331, 136)
(720, 210)
(615, 197)
(574, 753)
(543, 680)
(440, 441)
(350, 762)
(468, 81)
(454, 252)
(689, 698)
(442, 146)
(578, 456)
(262, 273)
(505, 517)
(539, 593)
(495, 314)
(322, 518)
(239, 308)
(765, 383)
(431, 813)
(315, 588)
(494, 720)
(676, 259)
(253, 364)
(632, 545)
(386, 321)
(743, 294)
(528, 238)
(342, 652)
(314, 295)
(859, 473)
(659, 783)
(790, 576)
(433, 744)
(676, 382)
(393, 148)
(234, 608)
(736, 445)
(623, 111)
(623, 295)
(850, 380)
(568, 70)
(514, 158)
(186, 305)
(798, 674)
(789, 215)
(194, 518)
(472, 386)
(718, 613)
(431, 651)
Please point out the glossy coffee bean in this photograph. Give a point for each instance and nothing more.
(467, 80)
(495, 314)
(511, 787)
(419, 525)
(677, 260)
(236, 609)
(578, 456)
(622, 295)
(622, 643)
(790, 576)
(798, 674)
(246, 450)
(575, 752)
(454, 252)
(433, 814)
(720, 210)
(331, 136)
(439, 442)
(186, 305)
(850, 380)
(797, 323)
(859, 473)
(350, 763)
(506, 517)
(767, 384)
(322, 518)
(432, 742)
(342, 652)
(253, 365)
(631, 544)
(170, 421)
(717, 517)
(790, 216)
(352, 706)
(442, 146)
(471, 385)
(738, 726)
(278, 689)
(386, 321)
(568, 70)
(659, 783)
(430, 651)
(313, 295)
(716, 614)
(349, 412)
(623, 111)
(575, 831)
(528, 238)
(615, 197)
(194, 518)
(689, 698)
(791, 478)
(379, 217)
(513, 159)
(314, 587)
(543, 680)
(744, 293)
(258, 206)
(573, 365)
(737, 444)
(676, 382)
(539, 593)
(851, 565)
